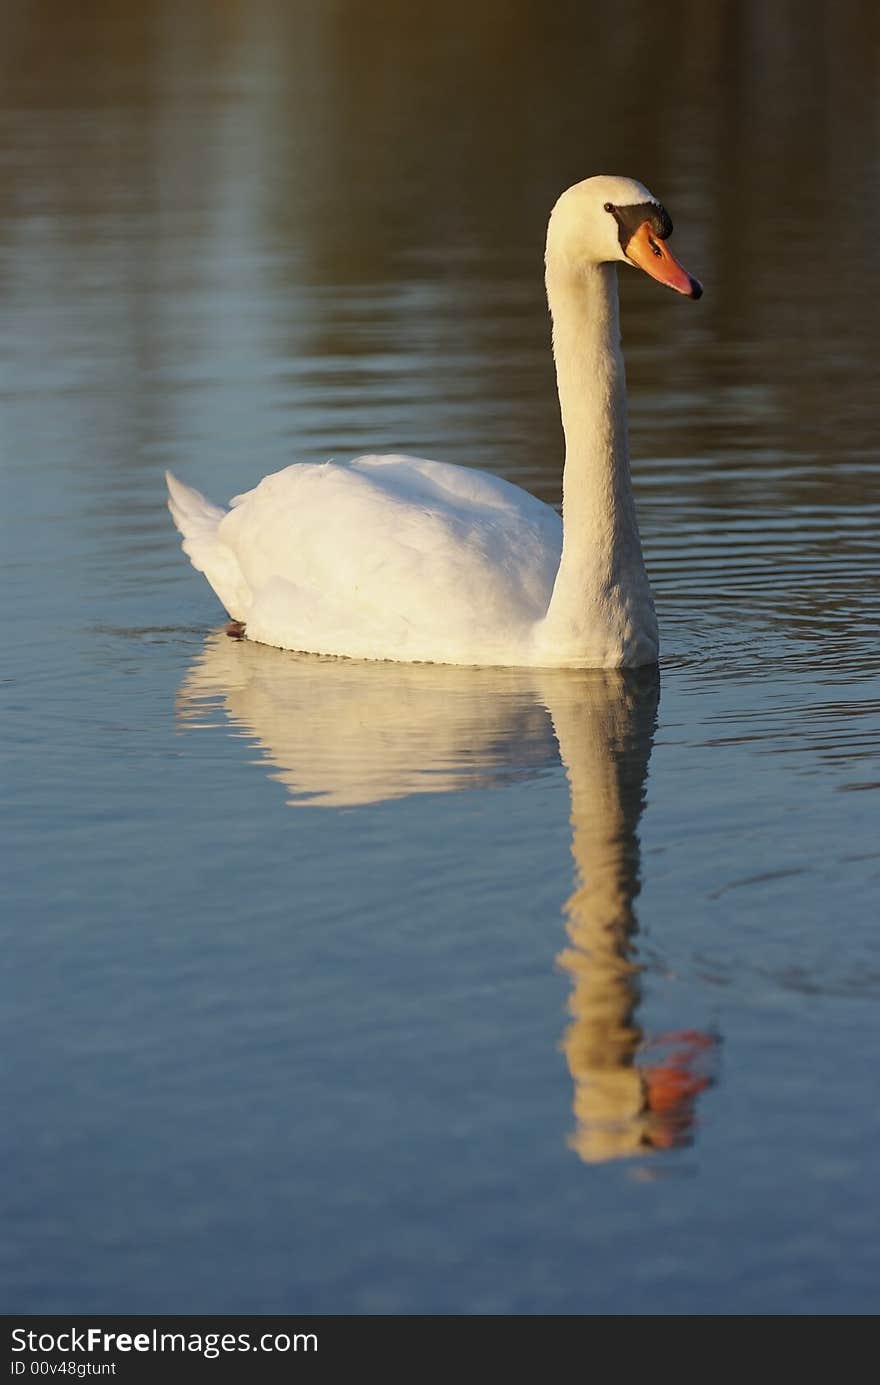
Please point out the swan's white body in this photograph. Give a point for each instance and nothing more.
(381, 558)
(390, 557)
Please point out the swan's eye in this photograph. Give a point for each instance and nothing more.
(609, 206)
(655, 247)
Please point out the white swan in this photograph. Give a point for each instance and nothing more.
(400, 558)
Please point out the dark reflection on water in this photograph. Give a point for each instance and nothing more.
(324, 1046)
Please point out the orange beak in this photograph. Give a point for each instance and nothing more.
(651, 254)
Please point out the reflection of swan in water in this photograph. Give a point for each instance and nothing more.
(630, 1096)
(339, 732)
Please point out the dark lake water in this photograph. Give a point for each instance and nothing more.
(363, 988)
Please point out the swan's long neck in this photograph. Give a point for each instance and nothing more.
(601, 592)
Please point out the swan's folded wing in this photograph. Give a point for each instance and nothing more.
(372, 558)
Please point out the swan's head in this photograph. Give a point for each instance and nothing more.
(608, 220)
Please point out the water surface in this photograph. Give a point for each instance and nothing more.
(363, 988)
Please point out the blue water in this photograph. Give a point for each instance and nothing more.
(356, 988)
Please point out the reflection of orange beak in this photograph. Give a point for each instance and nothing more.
(673, 1085)
(651, 254)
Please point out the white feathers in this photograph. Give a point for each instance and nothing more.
(199, 522)
(392, 557)
(380, 558)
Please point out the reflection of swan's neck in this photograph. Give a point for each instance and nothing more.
(601, 553)
(629, 1096)
(605, 755)
(605, 749)
(598, 745)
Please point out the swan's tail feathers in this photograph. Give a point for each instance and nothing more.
(195, 517)
(199, 521)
